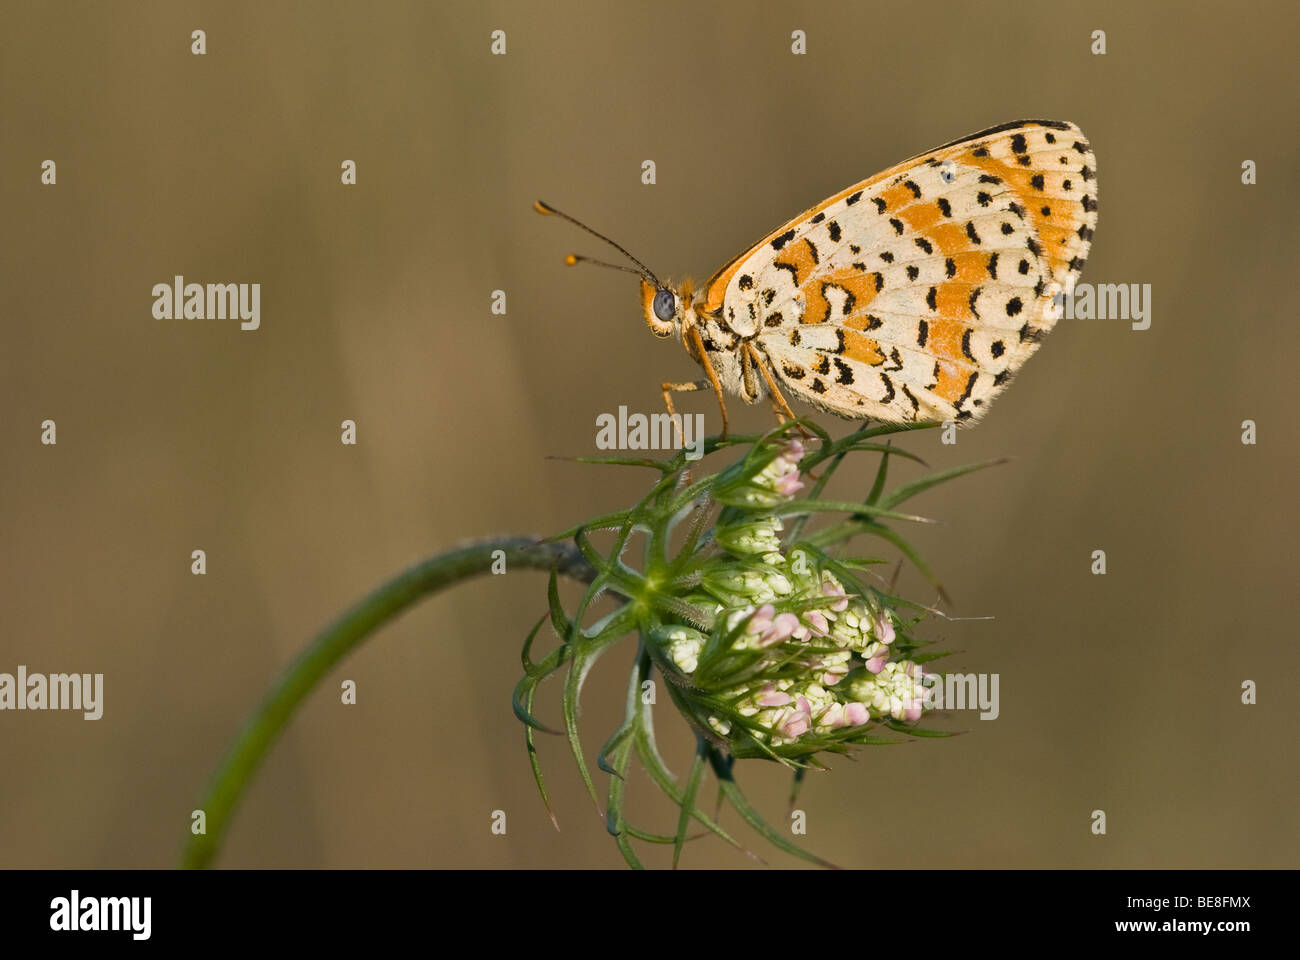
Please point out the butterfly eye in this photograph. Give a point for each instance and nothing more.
(665, 305)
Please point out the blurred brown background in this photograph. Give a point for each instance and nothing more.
(1119, 692)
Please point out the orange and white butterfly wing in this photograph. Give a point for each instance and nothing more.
(918, 293)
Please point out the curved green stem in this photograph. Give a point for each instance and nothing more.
(335, 642)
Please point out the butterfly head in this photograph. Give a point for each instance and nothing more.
(664, 309)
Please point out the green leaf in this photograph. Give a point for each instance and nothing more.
(688, 800)
(522, 696)
(907, 491)
(751, 816)
(843, 506)
(658, 772)
(534, 762)
(878, 486)
(560, 621)
(920, 731)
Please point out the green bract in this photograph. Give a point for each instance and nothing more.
(769, 642)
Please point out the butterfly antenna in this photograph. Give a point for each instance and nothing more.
(571, 259)
(574, 259)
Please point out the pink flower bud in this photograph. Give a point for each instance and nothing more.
(771, 697)
(783, 626)
(836, 590)
(761, 620)
(789, 485)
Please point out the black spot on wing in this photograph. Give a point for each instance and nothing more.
(889, 389)
(1027, 333)
(782, 240)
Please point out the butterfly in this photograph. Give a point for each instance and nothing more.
(914, 295)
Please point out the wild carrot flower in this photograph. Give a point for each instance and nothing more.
(771, 643)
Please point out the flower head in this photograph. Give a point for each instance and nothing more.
(768, 645)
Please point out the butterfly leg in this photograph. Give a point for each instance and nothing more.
(671, 388)
(702, 355)
(779, 405)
